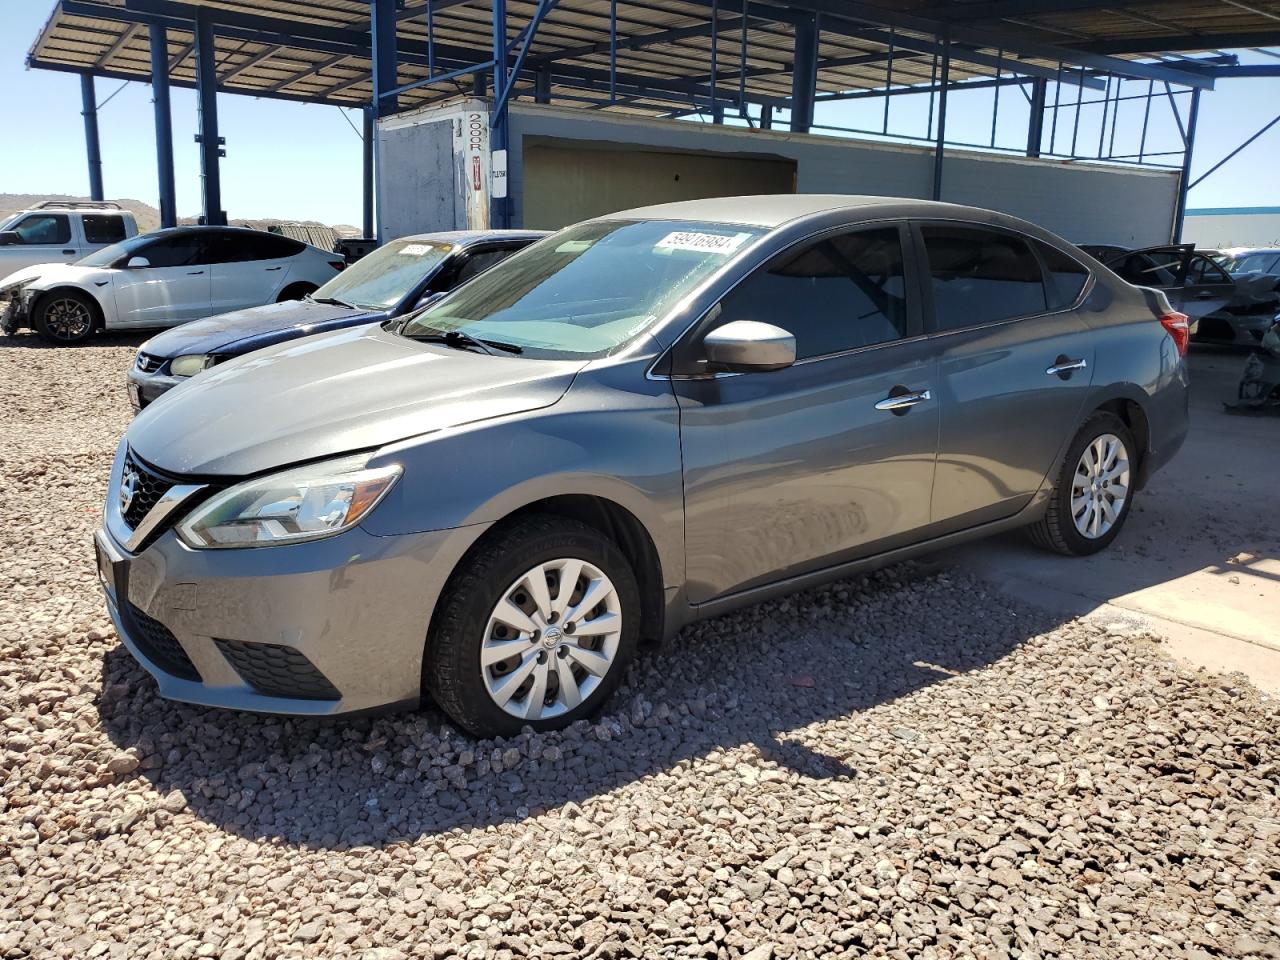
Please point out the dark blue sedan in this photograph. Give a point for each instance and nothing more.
(389, 282)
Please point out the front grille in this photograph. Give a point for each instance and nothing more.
(148, 488)
(160, 646)
(276, 671)
(148, 363)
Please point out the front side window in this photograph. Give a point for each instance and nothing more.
(103, 228)
(184, 250)
(388, 275)
(478, 263)
(1143, 270)
(44, 228)
(588, 290)
(981, 276)
(837, 294)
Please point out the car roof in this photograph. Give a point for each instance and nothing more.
(467, 238)
(774, 210)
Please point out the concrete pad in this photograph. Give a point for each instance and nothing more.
(1199, 558)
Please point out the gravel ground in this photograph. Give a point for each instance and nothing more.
(905, 765)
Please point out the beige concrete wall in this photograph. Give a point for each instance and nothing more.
(565, 181)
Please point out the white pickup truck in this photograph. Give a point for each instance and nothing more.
(60, 231)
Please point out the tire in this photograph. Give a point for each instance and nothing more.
(64, 317)
(296, 291)
(466, 627)
(1075, 532)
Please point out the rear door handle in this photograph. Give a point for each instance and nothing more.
(903, 401)
(68, 251)
(1062, 367)
(1205, 295)
(194, 273)
(274, 268)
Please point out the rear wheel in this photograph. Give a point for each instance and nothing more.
(296, 291)
(65, 316)
(536, 628)
(1092, 495)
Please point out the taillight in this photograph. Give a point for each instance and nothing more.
(1179, 327)
(338, 265)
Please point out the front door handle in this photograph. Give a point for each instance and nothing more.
(269, 269)
(194, 273)
(1064, 366)
(902, 402)
(1205, 295)
(68, 251)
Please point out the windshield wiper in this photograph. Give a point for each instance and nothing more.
(460, 339)
(332, 301)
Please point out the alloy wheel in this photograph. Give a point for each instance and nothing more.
(68, 319)
(551, 639)
(1100, 487)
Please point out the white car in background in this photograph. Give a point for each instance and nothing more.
(61, 231)
(161, 279)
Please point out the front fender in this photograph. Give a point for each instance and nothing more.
(598, 441)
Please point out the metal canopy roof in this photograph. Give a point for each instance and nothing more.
(319, 51)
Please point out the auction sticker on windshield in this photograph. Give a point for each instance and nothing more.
(702, 242)
(417, 249)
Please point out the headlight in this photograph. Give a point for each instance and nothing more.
(15, 290)
(306, 503)
(189, 365)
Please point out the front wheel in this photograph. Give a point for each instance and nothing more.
(535, 628)
(65, 316)
(1093, 493)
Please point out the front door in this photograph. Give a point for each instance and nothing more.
(792, 470)
(1015, 366)
(173, 288)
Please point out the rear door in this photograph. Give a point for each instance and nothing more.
(174, 288)
(250, 268)
(1207, 289)
(792, 470)
(1015, 365)
(1193, 284)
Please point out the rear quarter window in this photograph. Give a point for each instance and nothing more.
(1065, 276)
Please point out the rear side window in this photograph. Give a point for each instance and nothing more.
(1204, 270)
(1143, 270)
(243, 246)
(103, 228)
(838, 294)
(1067, 276)
(981, 276)
(44, 228)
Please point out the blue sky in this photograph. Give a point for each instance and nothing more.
(296, 161)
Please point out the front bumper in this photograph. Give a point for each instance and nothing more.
(145, 388)
(322, 628)
(14, 312)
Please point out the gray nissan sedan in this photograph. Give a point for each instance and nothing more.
(642, 420)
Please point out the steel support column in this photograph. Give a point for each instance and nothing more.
(208, 138)
(804, 74)
(93, 151)
(499, 206)
(164, 125)
(370, 138)
(940, 145)
(1184, 184)
(1035, 125)
(542, 85)
(384, 68)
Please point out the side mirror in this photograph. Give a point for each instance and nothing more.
(136, 263)
(746, 346)
(427, 299)
(9, 237)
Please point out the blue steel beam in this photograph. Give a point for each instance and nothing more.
(369, 133)
(804, 75)
(93, 151)
(164, 126)
(210, 145)
(385, 55)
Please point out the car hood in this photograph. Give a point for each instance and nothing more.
(330, 394)
(49, 274)
(215, 334)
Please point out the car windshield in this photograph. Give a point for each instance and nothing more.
(117, 251)
(386, 276)
(1251, 263)
(588, 290)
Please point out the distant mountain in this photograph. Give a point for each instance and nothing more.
(148, 217)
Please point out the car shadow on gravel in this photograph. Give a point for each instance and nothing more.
(767, 677)
(30, 340)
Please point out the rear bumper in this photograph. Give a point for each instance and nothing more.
(330, 627)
